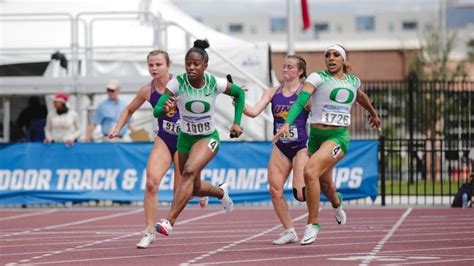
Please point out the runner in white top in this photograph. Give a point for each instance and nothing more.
(197, 105)
(198, 141)
(332, 93)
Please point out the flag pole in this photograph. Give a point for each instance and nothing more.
(291, 27)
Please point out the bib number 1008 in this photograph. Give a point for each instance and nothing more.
(198, 128)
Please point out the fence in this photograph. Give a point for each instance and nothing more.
(427, 134)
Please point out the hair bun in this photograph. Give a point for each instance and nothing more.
(203, 44)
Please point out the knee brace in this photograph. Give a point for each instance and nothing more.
(295, 194)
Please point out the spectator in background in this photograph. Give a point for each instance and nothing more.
(108, 113)
(62, 123)
(32, 120)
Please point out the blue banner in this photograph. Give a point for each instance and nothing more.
(35, 173)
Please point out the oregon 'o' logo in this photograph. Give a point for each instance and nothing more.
(197, 107)
(342, 95)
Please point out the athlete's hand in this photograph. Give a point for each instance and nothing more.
(283, 132)
(236, 131)
(169, 104)
(113, 133)
(375, 122)
(68, 142)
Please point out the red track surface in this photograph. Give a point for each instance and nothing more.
(96, 236)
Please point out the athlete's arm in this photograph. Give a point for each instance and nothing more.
(161, 108)
(300, 103)
(137, 101)
(239, 97)
(253, 111)
(364, 101)
(295, 110)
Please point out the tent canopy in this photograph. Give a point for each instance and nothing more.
(104, 39)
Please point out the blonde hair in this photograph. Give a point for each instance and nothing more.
(157, 52)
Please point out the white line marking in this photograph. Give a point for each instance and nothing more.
(379, 245)
(433, 262)
(72, 223)
(104, 240)
(238, 242)
(28, 215)
(428, 249)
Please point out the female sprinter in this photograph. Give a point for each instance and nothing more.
(288, 153)
(164, 148)
(332, 94)
(198, 140)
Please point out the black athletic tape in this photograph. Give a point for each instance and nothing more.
(295, 194)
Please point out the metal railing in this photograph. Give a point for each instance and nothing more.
(427, 134)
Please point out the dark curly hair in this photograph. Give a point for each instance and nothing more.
(200, 48)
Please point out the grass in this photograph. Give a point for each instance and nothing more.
(424, 186)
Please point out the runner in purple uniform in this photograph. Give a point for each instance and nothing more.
(164, 148)
(288, 153)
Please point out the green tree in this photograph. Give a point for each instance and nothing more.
(431, 63)
(470, 50)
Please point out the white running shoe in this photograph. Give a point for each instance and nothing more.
(226, 201)
(164, 227)
(146, 240)
(203, 202)
(287, 236)
(340, 214)
(310, 234)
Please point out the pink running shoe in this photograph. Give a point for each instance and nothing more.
(164, 227)
(203, 202)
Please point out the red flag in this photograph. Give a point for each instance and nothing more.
(305, 14)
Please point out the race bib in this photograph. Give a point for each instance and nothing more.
(336, 116)
(293, 136)
(171, 127)
(197, 125)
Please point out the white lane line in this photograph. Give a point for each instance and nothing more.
(379, 245)
(72, 223)
(105, 240)
(434, 261)
(27, 215)
(238, 242)
(426, 249)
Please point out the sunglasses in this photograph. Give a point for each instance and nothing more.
(110, 90)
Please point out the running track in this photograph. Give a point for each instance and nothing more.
(100, 236)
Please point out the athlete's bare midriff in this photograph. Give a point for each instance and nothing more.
(323, 126)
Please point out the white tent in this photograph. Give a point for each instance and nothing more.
(105, 39)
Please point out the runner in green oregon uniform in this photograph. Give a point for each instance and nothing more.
(332, 94)
(198, 140)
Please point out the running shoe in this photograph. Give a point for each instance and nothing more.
(286, 237)
(226, 201)
(203, 202)
(146, 240)
(310, 234)
(340, 214)
(164, 227)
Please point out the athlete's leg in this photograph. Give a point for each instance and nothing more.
(177, 173)
(320, 162)
(158, 163)
(299, 162)
(328, 188)
(279, 168)
(191, 165)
